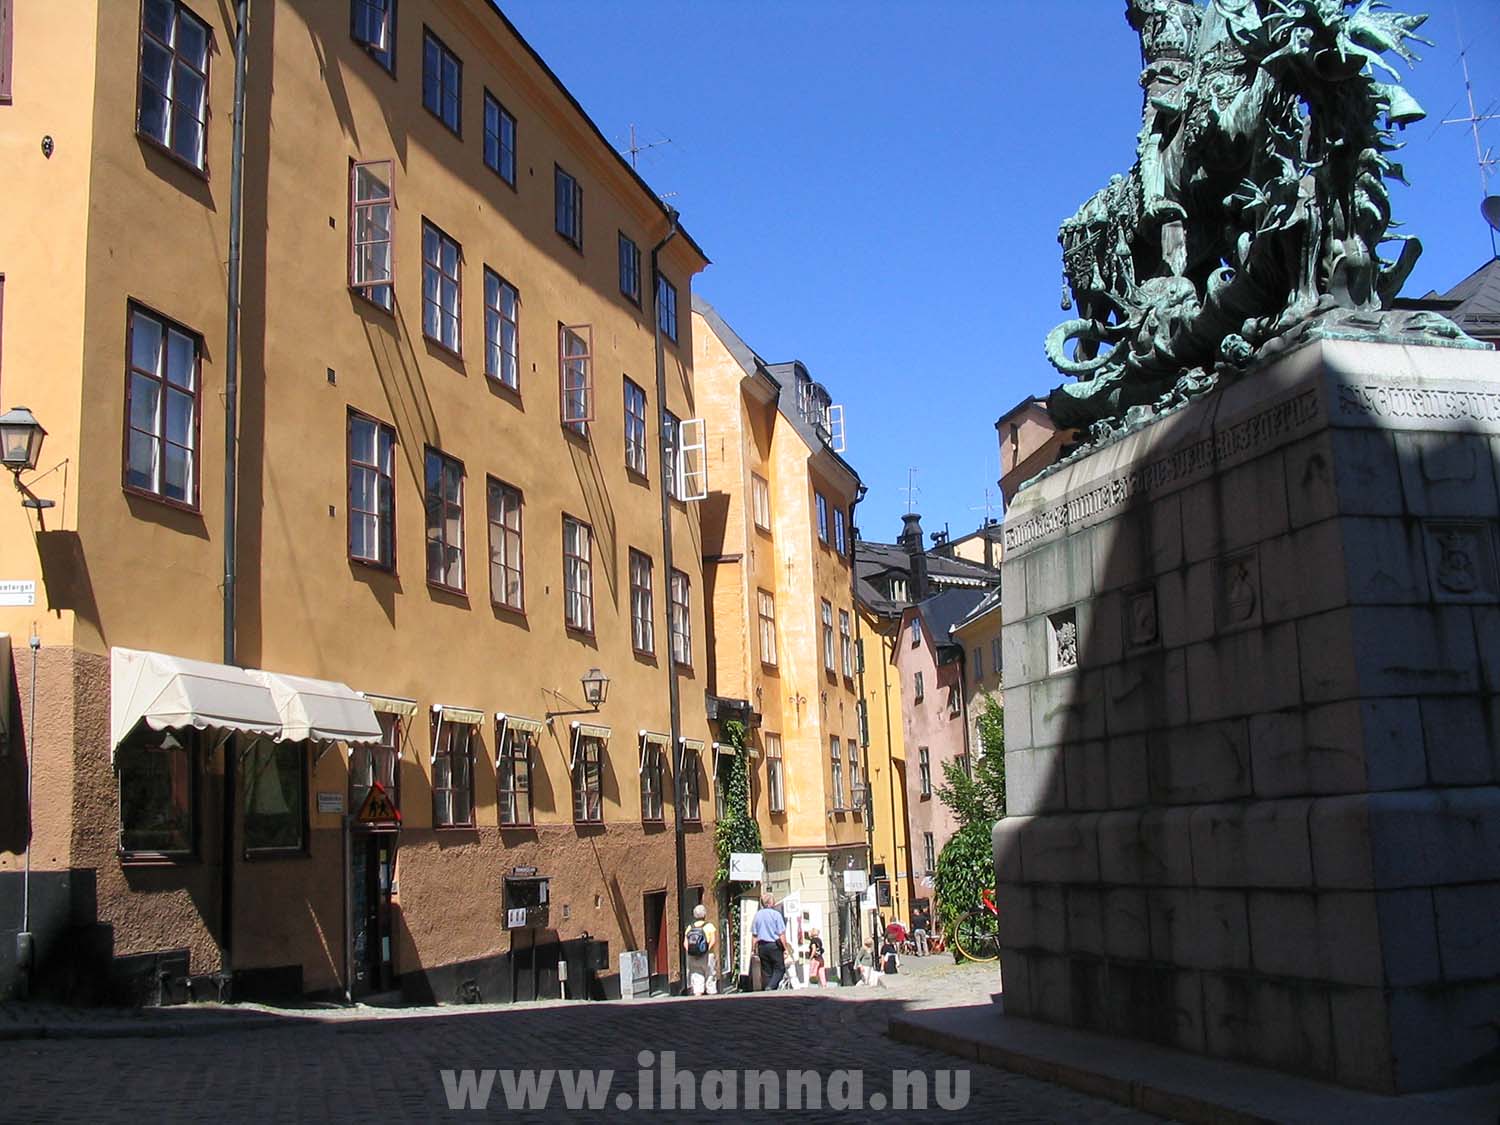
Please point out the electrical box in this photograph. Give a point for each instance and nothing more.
(526, 902)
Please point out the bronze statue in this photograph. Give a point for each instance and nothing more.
(1255, 210)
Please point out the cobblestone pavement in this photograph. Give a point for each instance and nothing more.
(386, 1065)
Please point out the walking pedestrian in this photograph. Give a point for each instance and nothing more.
(866, 966)
(768, 928)
(700, 941)
(816, 958)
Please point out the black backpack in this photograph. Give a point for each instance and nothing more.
(697, 940)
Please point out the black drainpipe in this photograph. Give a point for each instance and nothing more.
(231, 475)
(673, 700)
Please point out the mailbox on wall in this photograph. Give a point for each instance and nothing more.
(526, 902)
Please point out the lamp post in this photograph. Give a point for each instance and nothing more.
(21, 437)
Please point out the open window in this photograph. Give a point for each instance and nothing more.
(836, 428)
(692, 459)
(576, 373)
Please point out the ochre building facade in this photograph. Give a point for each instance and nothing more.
(449, 465)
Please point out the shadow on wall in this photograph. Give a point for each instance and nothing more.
(1251, 749)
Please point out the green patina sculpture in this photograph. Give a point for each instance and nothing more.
(1255, 210)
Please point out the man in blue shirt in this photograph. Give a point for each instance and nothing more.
(769, 930)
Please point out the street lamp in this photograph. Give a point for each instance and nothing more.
(20, 439)
(595, 688)
(20, 446)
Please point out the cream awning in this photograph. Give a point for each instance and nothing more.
(650, 739)
(693, 745)
(517, 722)
(391, 704)
(320, 710)
(582, 731)
(448, 714)
(169, 692)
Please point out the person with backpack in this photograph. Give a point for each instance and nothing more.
(699, 941)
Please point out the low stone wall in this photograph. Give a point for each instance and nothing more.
(1251, 660)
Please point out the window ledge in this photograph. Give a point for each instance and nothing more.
(443, 587)
(158, 498)
(438, 345)
(373, 303)
(177, 158)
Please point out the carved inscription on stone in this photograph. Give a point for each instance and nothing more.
(1460, 560)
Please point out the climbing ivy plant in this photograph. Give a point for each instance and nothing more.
(737, 830)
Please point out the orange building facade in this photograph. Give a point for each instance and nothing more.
(778, 551)
(459, 394)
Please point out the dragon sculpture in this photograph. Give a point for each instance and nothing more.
(1254, 212)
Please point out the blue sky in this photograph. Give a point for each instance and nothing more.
(879, 185)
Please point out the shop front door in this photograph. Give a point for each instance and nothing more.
(656, 939)
(372, 858)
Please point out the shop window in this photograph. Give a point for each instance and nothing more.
(275, 783)
(158, 793)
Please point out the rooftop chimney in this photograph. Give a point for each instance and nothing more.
(911, 539)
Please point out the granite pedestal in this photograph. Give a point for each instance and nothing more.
(1252, 719)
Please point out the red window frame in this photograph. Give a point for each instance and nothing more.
(495, 321)
(164, 145)
(514, 767)
(133, 309)
(7, 35)
(642, 622)
(456, 277)
(653, 795)
(384, 479)
(446, 509)
(584, 564)
(452, 729)
(511, 542)
(588, 781)
(637, 456)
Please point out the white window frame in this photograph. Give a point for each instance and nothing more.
(575, 376)
(765, 605)
(836, 428)
(681, 618)
(846, 643)
(692, 460)
(760, 501)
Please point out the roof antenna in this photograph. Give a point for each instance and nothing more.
(1489, 206)
(911, 490)
(989, 507)
(636, 148)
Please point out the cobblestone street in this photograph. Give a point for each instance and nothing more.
(386, 1064)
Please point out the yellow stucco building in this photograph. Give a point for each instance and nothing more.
(447, 511)
(778, 550)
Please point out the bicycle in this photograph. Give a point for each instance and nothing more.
(976, 934)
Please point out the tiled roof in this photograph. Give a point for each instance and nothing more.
(1474, 303)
